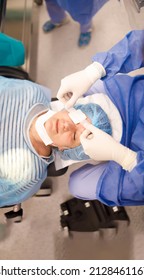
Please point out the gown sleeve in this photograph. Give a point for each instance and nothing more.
(127, 55)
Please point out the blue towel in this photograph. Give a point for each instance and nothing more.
(12, 51)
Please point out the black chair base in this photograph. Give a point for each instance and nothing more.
(90, 216)
(14, 216)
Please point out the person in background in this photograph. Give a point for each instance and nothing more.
(81, 11)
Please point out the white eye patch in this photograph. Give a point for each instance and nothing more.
(40, 128)
(77, 116)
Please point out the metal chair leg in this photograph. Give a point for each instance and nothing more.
(15, 215)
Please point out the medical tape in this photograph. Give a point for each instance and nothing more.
(77, 116)
(40, 128)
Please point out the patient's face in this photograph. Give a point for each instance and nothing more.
(63, 132)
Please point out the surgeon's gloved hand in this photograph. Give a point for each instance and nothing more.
(100, 146)
(75, 85)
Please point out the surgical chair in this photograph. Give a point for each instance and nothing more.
(46, 188)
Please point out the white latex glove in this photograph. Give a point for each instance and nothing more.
(75, 85)
(100, 146)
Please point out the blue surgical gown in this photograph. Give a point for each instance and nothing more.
(115, 186)
(22, 170)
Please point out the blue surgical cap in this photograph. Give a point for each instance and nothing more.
(99, 119)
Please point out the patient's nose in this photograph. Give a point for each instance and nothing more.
(69, 126)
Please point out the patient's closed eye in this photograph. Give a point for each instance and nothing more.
(74, 135)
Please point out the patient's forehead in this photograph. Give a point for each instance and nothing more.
(62, 114)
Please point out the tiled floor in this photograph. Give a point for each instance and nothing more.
(39, 235)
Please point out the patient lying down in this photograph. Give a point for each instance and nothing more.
(65, 134)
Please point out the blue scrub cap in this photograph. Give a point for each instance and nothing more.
(99, 119)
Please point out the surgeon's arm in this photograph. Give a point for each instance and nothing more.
(127, 55)
(75, 85)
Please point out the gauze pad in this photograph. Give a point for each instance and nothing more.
(77, 116)
(40, 128)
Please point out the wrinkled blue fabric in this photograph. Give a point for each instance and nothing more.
(82, 10)
(125, 56)
(115, 186)
(127, 188)
(99, 119)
